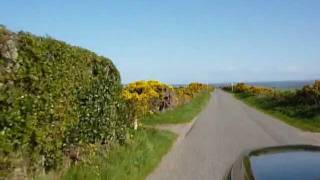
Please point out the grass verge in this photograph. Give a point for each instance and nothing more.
(141, 155)
(132, 161)
(181, 114)
(307, 124)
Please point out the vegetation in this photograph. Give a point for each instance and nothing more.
(137, 158)
(149, 97)
(300, 108)
(134, 160)
(55, 99)
(181, 114)
(63, 106)
(185, 94)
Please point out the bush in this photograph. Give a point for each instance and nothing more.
(302, 103)
(55, 97)
(309, 94)
(252, 90)
(153, 96)
(185, 93)
(148, 96)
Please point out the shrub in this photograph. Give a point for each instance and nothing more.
(195, 88)
(252, 90)
(302, 103)
(148, 96)
(153, 96)
(182, 95)
(186, 93)
(309, 94)
(54, 97)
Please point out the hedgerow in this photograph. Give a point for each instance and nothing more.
(59, 102)
(55, 98)
(185, 93)
(301, 103)
(307, 95)
(148, 97)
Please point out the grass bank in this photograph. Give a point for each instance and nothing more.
(134, 160)
(296, 116)
(181, 114)
(140, 156)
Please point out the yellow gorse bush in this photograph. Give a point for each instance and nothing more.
(309, 94)
(195, 88)
(186, 93)
(148, 97)
(256, 90)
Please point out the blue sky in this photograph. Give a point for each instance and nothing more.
(181, 41)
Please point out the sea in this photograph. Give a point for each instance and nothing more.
(292, 84)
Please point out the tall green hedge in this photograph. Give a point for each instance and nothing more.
(54, 97)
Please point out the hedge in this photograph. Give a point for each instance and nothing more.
(148, 97)
(55, 97)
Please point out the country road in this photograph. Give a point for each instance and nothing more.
(224, 129)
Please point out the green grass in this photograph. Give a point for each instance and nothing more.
(182, 114)
(133, 161)
(136, 159)
(266, 105)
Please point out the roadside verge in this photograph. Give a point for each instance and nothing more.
(139, 157)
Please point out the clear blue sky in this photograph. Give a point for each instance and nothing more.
(183, 41)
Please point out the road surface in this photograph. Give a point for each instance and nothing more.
(224, 129)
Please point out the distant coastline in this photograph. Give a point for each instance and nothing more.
(292, 84)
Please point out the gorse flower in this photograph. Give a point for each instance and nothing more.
(149, 97)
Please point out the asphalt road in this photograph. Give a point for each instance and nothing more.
(224, 129)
